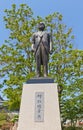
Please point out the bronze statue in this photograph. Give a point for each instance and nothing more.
(42, 46)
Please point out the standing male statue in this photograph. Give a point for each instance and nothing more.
(42, 46)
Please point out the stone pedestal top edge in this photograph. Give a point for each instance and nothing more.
(40, 80)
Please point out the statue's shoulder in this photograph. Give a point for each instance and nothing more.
(34, 33)
(41, 33)
(44, 33)
(47, 33)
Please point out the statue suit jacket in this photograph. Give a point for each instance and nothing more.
(46, 41)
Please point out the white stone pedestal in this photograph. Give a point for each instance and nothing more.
(39, 106)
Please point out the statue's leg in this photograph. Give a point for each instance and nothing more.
(46, 70)
(38, 70)
(38, 66)
(45, 61)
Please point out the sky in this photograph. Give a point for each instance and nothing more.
(72, 11)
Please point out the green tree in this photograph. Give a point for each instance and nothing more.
(16, 59)
(72, 106)
(17, 63)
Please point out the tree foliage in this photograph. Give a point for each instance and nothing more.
(17, 63)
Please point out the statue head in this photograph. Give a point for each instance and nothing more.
(41, 26)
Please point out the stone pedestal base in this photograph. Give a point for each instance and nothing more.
(39, 106)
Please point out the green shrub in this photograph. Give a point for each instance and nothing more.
(72, 128)
(3, 115)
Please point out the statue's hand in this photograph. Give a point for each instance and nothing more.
(32, 50)
(51, 52)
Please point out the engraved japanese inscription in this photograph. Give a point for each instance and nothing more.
(39, 107)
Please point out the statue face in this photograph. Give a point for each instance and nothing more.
(41, 26)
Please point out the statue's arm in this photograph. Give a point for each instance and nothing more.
(33, 42)
(50, 43)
